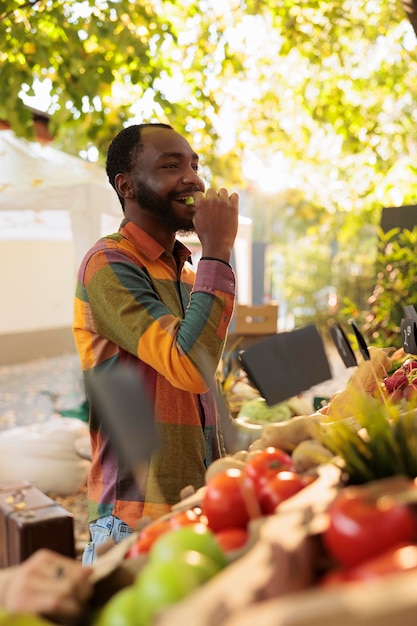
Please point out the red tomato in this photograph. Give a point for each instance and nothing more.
(150, 533)
(278, 488)
(229, 501)
(361, 527)
(264, 465)
(232, 538)
(184, 518)
(146, 538)
(399, 558)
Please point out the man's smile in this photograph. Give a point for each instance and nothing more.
(187, 200)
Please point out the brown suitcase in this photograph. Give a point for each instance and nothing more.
(30, 520)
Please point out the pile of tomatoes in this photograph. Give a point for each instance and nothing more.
(372, 531)
(233, 498)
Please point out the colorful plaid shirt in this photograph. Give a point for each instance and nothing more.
(137, 303)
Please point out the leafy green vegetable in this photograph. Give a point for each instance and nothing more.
(257, 411)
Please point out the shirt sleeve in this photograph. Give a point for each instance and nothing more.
(213, 275)
(126, 305)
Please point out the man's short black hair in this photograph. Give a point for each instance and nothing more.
(123, 150)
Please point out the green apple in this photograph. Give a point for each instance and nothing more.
(21, 619)
(192, 537)
(120, 610)
(161, 584)
(201, 565)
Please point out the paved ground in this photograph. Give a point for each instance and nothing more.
(33, 392)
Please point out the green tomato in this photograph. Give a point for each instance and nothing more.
(120, 610)
(192, 537)
(161, 584)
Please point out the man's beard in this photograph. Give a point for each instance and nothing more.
(161, 208)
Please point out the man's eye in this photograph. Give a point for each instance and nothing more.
(171, 165)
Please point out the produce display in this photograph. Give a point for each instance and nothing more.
(318, 505)
(366, 443)
(178, 554)
(303, 564)
(179, 562)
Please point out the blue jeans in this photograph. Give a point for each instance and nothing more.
(103, 529)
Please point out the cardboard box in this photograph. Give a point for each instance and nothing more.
(256, 320)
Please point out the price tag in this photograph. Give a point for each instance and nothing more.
(343, 346)
(409, 335)
(286, 364)
(363, 348)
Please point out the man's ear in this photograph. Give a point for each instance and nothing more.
(124, 186)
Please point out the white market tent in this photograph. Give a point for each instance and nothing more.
(40, 178)
(35, 177)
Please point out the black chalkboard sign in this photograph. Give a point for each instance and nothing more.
(343, 346)
(285, 364)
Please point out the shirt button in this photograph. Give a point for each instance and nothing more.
(231, 283)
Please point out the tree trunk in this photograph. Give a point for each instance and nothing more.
(410, 7)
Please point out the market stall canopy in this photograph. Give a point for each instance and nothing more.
(35, 177)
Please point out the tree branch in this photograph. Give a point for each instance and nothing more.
(30, 3)
(410, 7)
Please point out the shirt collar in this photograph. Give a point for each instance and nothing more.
(149, 246)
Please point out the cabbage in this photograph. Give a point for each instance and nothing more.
(257, 411)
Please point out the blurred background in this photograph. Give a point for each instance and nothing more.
(308, 109)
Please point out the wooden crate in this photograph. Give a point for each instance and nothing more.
(259, 319)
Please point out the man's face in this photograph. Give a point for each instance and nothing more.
(166, 179)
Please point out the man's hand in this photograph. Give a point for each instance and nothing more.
(46, 584)
(216, 222)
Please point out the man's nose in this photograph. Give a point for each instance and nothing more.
(191, 177)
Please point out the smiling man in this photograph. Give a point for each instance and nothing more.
(138, 301)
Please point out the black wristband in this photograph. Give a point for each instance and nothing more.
(211, 258)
